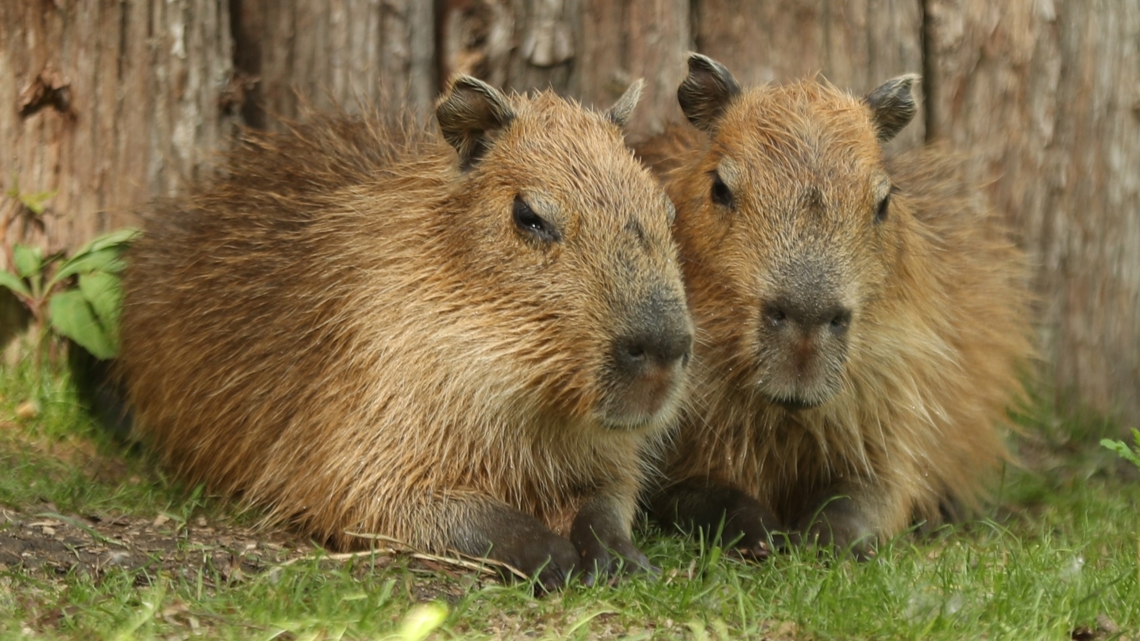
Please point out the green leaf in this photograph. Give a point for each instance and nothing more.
(29, 260)
(1122, 449)
(72, 316)
(106, 260)
(105, 296)
(36, 202)
(14, 283)
(124, 237)
(422, 620)
(119, 237)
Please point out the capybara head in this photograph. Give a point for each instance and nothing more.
(791, 212)
(575, 234)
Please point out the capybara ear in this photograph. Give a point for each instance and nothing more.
(621, 110)
(706, 91)
(892, 105)
(469, 112)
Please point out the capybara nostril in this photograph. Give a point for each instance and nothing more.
(806, 313)
(840, 321)
(635, 350)
(774, 315)
(636, 353)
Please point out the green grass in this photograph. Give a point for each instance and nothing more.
(1059, 553)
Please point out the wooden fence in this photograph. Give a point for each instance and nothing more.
(107, 103)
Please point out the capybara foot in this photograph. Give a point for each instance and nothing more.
(604, 545)
(504, 534)
(840, 525)
(551, 560)
(742, 521)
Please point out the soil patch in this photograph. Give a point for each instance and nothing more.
(51, 544)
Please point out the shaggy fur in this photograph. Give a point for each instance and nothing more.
(353, 332)
(895, 405)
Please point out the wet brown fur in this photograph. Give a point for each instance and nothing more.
(347, 329)
(939, 334)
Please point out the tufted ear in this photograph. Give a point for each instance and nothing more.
(469, 112)
(621, 110)
(892, 105)
(706, 91)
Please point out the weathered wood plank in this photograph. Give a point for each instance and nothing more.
(624, 41)
(108, 103)
(1048, 95)
(856, 45)
(381, 52)
(589, 49)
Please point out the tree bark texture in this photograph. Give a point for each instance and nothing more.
(1047, 95)
(109, 103)
(349, 52)
(590, 49)
(856, 45)
(112, 102)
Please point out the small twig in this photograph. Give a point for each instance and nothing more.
(342, 556)
(203, 614)
(478, 564)
(95, 534)
(482, 565)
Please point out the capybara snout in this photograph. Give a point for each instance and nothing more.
(802, 332)
(648, 359)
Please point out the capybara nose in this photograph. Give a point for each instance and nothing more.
(659, 348)
(807, 315)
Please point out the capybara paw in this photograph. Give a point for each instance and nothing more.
(757, 550)
(601, 562)
(551, 562)
(840, 525)
(731, 517)
(754, 526)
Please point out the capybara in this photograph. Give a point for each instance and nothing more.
(467, 348)
(862, 318)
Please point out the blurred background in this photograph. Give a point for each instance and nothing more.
(105, 104)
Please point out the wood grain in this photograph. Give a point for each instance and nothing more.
(345, 52)
(1047, 94)
(856, 45)
(107, 104)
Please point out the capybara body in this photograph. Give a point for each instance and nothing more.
(862, 318)
(465, 348)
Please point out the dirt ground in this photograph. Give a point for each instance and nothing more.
(50, 544)
(41, 541)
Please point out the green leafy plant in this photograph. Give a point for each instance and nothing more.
(78, 295)
(1130, 455)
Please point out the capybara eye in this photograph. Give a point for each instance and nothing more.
(721, 194)
(884, 205)
(531, 223)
